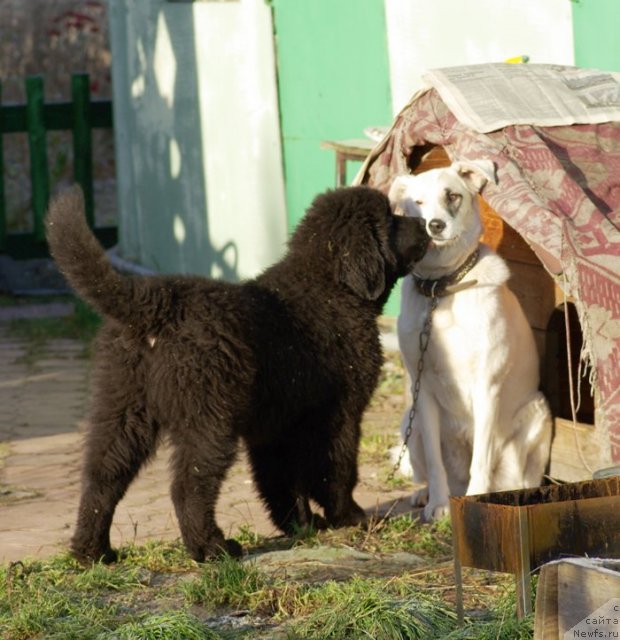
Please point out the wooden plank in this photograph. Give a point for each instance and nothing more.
(546, 616)
(535, 290)
(353, 149)
(574, 448)
(503, 238)
(82, 143)
(426, 157)
(571, 590)
(38, 153)
(583, 587)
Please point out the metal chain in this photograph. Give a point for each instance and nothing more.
(424, 338)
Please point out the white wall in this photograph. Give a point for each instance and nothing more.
(199, 163)
(425, 34)
(241, 129)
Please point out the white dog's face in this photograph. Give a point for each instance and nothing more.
(445, 199)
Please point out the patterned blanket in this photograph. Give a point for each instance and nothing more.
(559, 187)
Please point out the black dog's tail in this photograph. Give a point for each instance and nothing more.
(82, 260)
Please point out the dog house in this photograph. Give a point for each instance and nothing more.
(554, 215)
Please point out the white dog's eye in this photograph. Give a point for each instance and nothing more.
(453, 197)
(419, 202)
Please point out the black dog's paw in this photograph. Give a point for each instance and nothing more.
(352, 517)
(215, 548)
(87, 557)
(318, 522)
(233, 548)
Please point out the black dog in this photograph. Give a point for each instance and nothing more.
(287, 362)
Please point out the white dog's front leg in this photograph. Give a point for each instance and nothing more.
(484, 449)
(438, 491)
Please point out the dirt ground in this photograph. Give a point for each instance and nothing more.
(44, 400)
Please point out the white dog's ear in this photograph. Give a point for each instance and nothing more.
(397, 190)
(475, 173)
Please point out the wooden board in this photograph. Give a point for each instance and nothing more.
(574, 448)
(571, 590)
(427, 157)
(354, 149)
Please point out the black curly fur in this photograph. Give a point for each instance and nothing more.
(287, 362)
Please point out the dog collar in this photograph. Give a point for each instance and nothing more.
(447, 285)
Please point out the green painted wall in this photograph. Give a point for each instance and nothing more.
(333, 80)
(596, 31)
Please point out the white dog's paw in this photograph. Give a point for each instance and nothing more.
(434, 512)
(419, 498)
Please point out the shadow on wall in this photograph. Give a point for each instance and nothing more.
(160, 139)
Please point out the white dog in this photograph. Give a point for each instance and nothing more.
(480, 423)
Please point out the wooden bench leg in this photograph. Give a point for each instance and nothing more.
(341, 169)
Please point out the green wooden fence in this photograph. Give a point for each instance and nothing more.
(35, 118)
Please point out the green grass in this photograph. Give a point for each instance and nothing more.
(392, 535)
(158, 592)
(46, 600)
(228, 582)
(164, 626)
(158, 557)
(356, 608)
(499, 622)
(374, 609)
(374, 446)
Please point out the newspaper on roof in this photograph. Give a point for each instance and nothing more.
(487, 97)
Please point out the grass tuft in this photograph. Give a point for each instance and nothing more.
(364, 608)
(228, 582)
(158, 556)
(41, 598)
(499, 621)
(389, 535)
(165, 626)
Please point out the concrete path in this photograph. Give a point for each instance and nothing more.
(43, 404)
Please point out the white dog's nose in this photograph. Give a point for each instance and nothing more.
(436, 226)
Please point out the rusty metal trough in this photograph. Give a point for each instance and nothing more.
(518, 531)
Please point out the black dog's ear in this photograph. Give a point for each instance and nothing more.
(360, 265)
